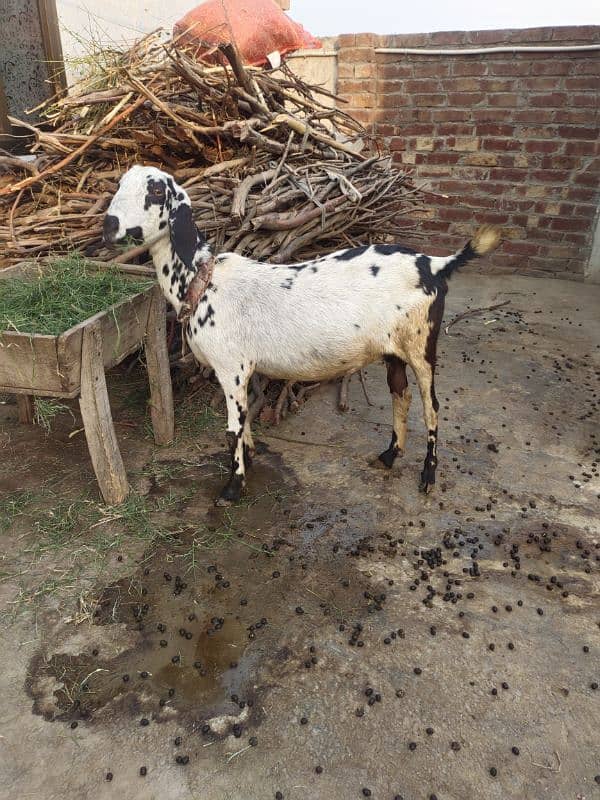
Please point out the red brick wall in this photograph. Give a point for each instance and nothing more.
(509, 138)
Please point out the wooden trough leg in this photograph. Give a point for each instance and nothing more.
(25, 408)
(97, 419)
(159, 376)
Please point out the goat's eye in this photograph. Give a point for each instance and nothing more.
(158, 190)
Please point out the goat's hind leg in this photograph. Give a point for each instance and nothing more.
(424, 371)
(401, 397)
(237, 420)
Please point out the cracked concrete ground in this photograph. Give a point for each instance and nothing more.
(338, 635)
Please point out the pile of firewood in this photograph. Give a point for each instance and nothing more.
(272, 169)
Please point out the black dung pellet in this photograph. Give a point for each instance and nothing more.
(597, 778)
(177, 741)
(417, 670)
(278, 796)
(143, 771)
(125, 678)
(366, 792)
(429, 731)
(412, 745)
(318, 770)
(74, 724)
(144, 721)
(253, 741)
(144, 674)
(206, 729)
(303, 721)
(515, 751)
(109, 776)
(299, 610)
(593, 685)
(455, 746)
(493, 772)
(585, 648)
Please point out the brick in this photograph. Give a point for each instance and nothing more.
(347, 87)
(364, 70)
(522, 248)
(585, 83)
(345, 69)
(494, 129)
(421, 85)
(439, 157)
(538, 84)
(577, 132)
(536, 115)
(505, 100)
(502, 174)
(442, 38)
(462, 84)
(537, 191)
(397, 143)
(448, 115)
(573, 224)
(580, 193)
(588, 34)
(409, 158)
(550, 175)
(407, 40)
(428, 99)
(577, 116)
(469, 66)
(586, 179)
(508, 68)
(560, 162)
(360, 99)
(367, 40)
(391, 71)
(357, 55)
(390, 103)
(554, 66)
(454, 214)
(431, 69)
(548, 100)
(585, 100)
(499, 145)
(466, 144)
(455, 129)
(346, 40)
(465, 99)
(481, 160)
(587, 66)
(489, 114)
(424, 143)
(543, 146)
(520, 160)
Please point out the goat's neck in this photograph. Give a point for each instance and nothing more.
(175, 289)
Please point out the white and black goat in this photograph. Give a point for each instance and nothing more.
(315, 320)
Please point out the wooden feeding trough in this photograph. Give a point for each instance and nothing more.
(73, 364)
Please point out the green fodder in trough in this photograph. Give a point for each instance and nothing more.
(68, 291)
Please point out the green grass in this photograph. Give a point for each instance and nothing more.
(66, 292)
(45, 409)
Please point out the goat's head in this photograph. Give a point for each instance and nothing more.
(147, 202)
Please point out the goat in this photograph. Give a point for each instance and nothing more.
(315, 320)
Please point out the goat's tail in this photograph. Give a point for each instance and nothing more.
(486, 239)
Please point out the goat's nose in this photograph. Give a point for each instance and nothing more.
(110, 227)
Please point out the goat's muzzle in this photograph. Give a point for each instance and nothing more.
(110, 228)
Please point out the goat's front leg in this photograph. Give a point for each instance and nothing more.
(237, 413)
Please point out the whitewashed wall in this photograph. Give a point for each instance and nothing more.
(117, 22)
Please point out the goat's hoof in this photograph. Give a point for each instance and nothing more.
(427, 483)
(378, 463)
(231, 493)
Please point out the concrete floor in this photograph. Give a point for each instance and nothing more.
(490, 582)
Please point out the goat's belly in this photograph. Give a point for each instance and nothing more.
(313, 366)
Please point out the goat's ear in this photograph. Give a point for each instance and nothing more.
(184, 234)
